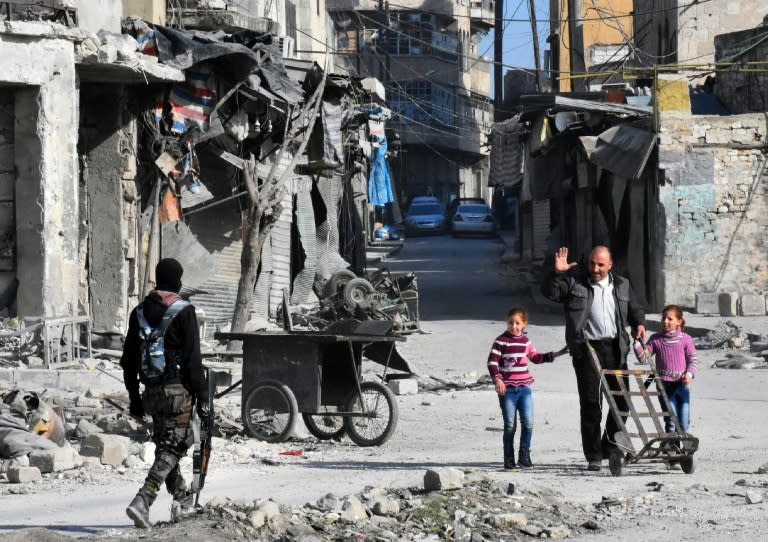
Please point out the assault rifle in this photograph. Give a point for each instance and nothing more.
(203, 437)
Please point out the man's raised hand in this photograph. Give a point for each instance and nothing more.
(561, 260)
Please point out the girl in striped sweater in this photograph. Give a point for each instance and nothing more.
(675, 364)
(508, 365)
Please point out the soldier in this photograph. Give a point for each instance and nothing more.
(162, 351)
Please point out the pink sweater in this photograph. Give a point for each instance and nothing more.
(675, 354)
(509, 359)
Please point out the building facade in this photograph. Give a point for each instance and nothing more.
(437, 86)
(604, 28)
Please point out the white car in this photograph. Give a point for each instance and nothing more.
(473, 218)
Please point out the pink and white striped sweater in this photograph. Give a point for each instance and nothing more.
(675, 354)
(509, 359)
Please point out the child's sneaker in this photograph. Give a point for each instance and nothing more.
(525, 459)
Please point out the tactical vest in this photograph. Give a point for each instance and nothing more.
(153, 362)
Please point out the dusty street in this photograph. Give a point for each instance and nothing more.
(465, 293)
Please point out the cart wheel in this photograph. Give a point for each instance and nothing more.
(615, 464)
(324, 426)
(379, 402)
(357, 293)
(270, 411)
(337, 282)
(688, 465)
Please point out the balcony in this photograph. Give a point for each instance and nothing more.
(481, 13)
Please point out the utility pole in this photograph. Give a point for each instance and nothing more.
(576, 42)
(498, 53)
(536, 58)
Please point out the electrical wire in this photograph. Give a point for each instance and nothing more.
(650, 12)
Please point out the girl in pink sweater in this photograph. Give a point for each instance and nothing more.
(508, 365)
(675, 364)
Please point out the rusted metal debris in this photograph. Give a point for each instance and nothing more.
(344, 296)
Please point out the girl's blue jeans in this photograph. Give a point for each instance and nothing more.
(679, 404)
(517, 400)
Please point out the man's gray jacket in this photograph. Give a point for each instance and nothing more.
(576, 295)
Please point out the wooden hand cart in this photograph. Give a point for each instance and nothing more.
(317, 374)
(651, 444)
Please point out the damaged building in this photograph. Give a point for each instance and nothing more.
(123, 140)
(437, 84)
(672, 180)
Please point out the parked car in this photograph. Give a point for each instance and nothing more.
(473, 218)
(425, 218)
(419, 200)
(458, 201)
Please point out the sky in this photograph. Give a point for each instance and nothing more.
(518, 38)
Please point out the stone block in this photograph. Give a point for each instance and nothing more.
(728, 303)
(441, 479)
(86, 428)
(752, 305)
(111, 449)
(22, 475)
(404, 386)
(707, 303)
(55, 460)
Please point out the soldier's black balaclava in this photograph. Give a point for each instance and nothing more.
(168, 275)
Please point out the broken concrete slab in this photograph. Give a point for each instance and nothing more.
(728, 303)
(707, 303)
(56, 460)
(752, 305)
(447, 478)
(22, 475)
(740, 361)
(111, 449)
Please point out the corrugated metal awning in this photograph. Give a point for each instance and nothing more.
(622, 149)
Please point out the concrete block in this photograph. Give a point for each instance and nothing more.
(86, 428)
(404, 386)
(22, 475)
(111, 449)
(55, 460)
(728, 303)
(707, 303)
(440, 479)
(752, 305)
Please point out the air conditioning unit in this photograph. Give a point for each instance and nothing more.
(287, 46)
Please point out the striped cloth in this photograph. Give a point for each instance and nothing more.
(191, 102)
(509, 359)
(675, 354)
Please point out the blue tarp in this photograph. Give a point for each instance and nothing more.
(380, 182)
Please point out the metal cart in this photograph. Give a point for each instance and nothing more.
(651, 444)
(318, 374)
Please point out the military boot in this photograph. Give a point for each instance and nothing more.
(138, 510)
(182, 506)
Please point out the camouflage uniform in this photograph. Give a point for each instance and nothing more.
(171, 409)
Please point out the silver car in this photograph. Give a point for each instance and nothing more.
(473, 218)
(425, 218)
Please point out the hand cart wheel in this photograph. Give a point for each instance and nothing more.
(374, 415)
(688, 465)
(324, 426)
(270, 411)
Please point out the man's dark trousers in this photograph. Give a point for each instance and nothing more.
(596, 447)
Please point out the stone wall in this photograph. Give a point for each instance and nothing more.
(742, 88)
(714, 208)
(41, 67)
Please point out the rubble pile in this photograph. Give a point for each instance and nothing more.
(472, 507)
